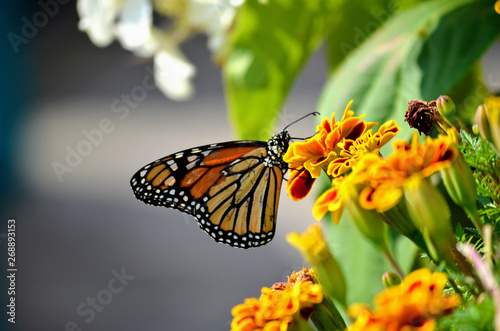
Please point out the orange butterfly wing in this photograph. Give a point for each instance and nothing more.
(231, 188)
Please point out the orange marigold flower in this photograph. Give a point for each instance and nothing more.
(366, 321)
(380, 182)
(387, 177)
(306, 159)
(279, 305)
(415, 304)
(350, 151)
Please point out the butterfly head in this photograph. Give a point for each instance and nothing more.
(276, 148)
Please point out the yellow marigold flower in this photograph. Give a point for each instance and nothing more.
(415, 304)
(378, 184)
(497, 7)
(311, 243)
(375, 180)
(279, 305)
(387, 177)
(366, 322)
(306, 159)
(314, 248)
(352, 150)
(381, 190)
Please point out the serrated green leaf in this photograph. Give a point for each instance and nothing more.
(270, 44)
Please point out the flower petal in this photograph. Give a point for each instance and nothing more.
(173, 73)
(330, 200)
(299, 185)
(133, 30)
(97, 19)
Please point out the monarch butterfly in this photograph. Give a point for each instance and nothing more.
(231, 188)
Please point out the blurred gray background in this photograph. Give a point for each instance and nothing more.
(76, 234)
(72, 234)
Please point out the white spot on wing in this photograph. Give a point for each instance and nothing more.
(191, 165)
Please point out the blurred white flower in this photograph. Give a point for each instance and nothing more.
(131, 23)
(215, 17)
(133, 30)
(97, 19)
(173, 73)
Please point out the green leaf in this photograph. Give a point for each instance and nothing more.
(469, 93)
(352, 24)
(355, 21)
(362, 264)
(270, 44)
(461, 37)
(419, 53)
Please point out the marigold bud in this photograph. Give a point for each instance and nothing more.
(316, 252)
(430, 212)
(483, 123)
(390, 279)
(446, 108)
(369, 222)
(461, 186)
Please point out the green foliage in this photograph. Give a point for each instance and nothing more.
(473, 317)
(270, 44)
(482, 158)
(381, 57)
(355, 21)
(468, 93)
(361, 262)
(393, 56)
(365, 17)
(419, 53)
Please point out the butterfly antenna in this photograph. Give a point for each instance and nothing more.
(300, 119)
(299, 138)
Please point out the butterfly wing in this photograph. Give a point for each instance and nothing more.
(227, 187)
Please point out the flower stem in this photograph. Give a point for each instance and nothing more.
(327, 317)
(394, 263)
